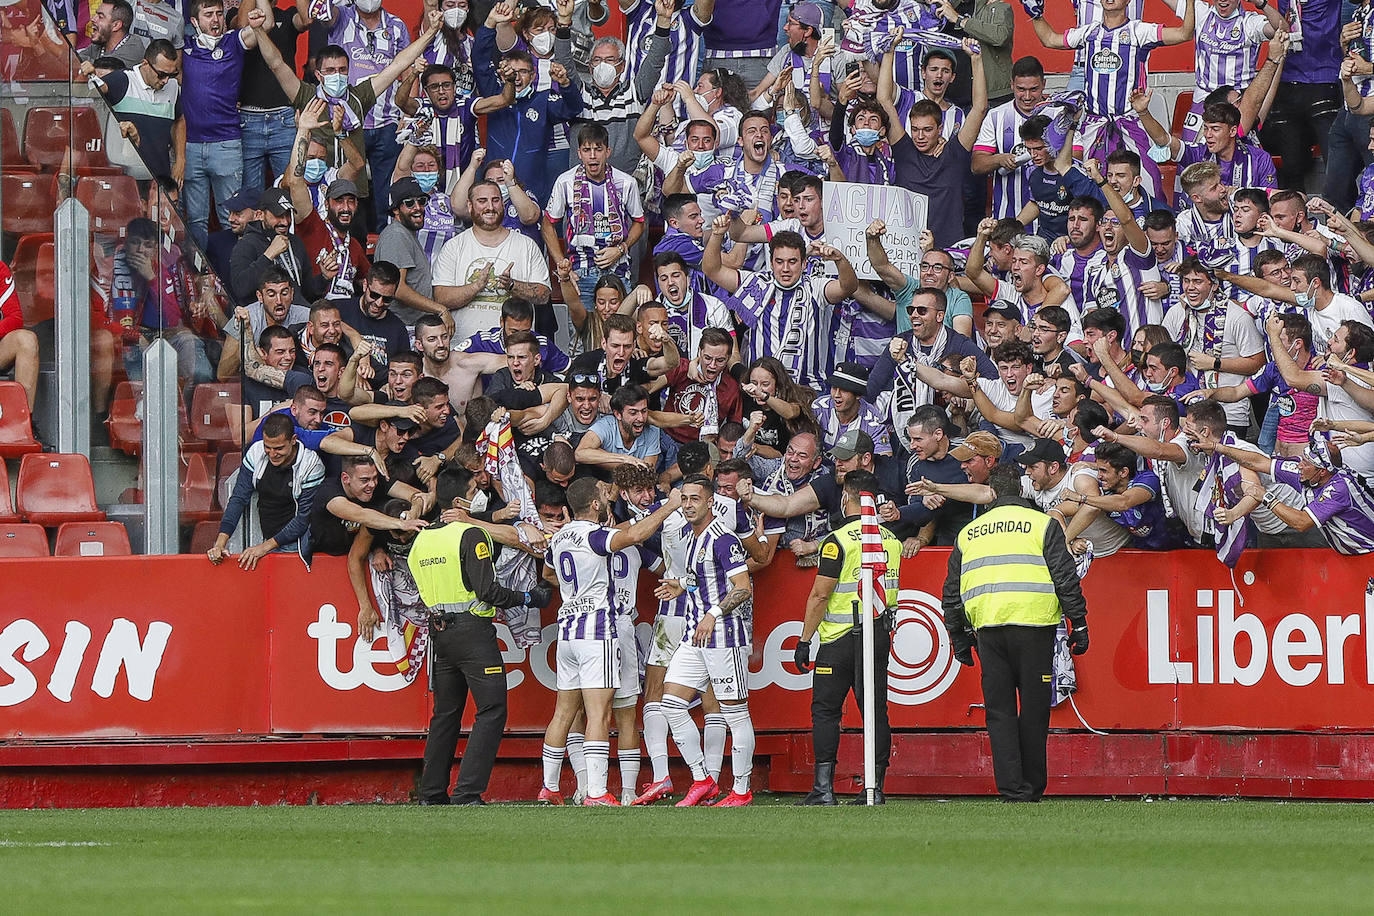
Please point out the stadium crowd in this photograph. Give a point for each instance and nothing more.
(1194, 374)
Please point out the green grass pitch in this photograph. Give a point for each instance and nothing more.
(913, 855)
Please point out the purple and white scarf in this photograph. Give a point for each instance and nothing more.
(1220, 488)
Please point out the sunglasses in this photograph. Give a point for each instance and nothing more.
(166, 76)
(415, 202)
(385, 300)
(920, 310)
(583, 379)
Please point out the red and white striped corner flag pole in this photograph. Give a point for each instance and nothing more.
(873, 594)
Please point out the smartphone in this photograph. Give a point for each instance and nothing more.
(828, 35)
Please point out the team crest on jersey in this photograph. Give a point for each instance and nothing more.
(1062, 193)
(1106, 61)
(532, 114)
(1235, 31)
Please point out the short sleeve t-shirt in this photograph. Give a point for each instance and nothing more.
(941, 179)
(330, 534)
(401, 246)
(463, 258)
(648, 445)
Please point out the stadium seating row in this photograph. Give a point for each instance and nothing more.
(74, 539)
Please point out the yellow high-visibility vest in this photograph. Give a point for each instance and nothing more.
(846, 601)
(436, 564)
(1004, 578)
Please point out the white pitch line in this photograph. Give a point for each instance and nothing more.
(28, 844)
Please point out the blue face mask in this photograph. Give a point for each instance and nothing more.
(865, 136)
(426, 180)
(704, 158)
(335, 84)
(315, 169)
(1304, 299)
(526, 92)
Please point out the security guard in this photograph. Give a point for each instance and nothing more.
(1011, 579)
(453, 568)
(833, 612)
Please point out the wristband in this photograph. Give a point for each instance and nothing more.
(527, 599)
(1102, 183)
(1216, 364)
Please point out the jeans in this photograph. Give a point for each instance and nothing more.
(216, 167)
(1347, 153)
(1078, 77)
(267, 139)
(1269, 428)
(382, 153)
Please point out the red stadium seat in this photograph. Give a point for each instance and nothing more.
(23, 541)
(29, 203)
(35, 277)
(203, 536)
(125, 426)
(128, 391)
(1168, 172)
(57, 488)
(209, 416)
(92, 539)
(16, 426)
(50, 132)
(1181, 106)
(112, 200)
(10, 156)
(7, 514)
(198, 488)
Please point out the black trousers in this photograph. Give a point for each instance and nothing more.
(1015, 662)
(839, 669)
(1302, 115)
(467, 660)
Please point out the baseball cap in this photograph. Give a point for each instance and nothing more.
(403, 422)
(340, 187)
(243, 200)
(405, 189)
(854, 442)
(1005, 309)
(850, 377)
(275, 201)
(807, 13)
(979, 442)
(1046, 450)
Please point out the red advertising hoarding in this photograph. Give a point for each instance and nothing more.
(172, 647)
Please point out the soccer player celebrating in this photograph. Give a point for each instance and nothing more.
(715, 648)
(579, 559)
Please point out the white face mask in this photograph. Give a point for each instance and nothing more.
(604, 75)
(368, 6)
(455, 17)
(542, 43)
(206, 41)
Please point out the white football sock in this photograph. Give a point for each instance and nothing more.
(656, 739)
(685, 734)
(597, 754)
(553, 767)
(629, 770)
(713, 743)
(577, 759)
(741, 745)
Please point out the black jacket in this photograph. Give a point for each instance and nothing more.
(247, 264)
(1063, 572)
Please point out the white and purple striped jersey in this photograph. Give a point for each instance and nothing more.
(1000, 134)
(714, 556)
(625, 568)
(1072, 267)
(1194, 229)
(951, 118)
(1343, 507)
(580, 554)
(1115, 283)
(685, 43)
(792, 325)
(1115, 60)
(1006, 292)
(369, 53)
(676, 541)
(1227, 49)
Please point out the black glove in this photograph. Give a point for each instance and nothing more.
(801, 656)
(1078, 639)
(539, 596)
(964, 655)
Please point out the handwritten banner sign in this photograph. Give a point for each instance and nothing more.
(850, 207)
